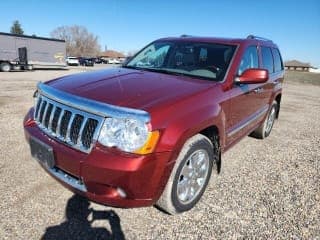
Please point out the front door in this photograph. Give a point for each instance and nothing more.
(247, 101)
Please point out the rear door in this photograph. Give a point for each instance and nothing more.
(267, 63)
(278, 75)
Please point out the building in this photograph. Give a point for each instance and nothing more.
(110, 54)
(297, 66)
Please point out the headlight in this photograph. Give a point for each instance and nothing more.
(128, 135)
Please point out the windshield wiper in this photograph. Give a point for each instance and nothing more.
(131, 67)
(161, 70)
(165, 71)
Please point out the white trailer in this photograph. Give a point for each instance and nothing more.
(29, 52)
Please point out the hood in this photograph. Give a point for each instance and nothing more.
(130, 88)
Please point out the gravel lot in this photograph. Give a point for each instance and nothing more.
(267, 189)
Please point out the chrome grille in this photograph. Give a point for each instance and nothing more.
(74, 127)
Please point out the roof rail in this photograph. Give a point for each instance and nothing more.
(186, 35)
(258, 38)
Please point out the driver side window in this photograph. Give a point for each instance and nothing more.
(249, 60)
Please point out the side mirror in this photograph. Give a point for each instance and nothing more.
(253, 75)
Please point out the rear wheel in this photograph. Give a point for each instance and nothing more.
(189, 177)
(265, 128)
(5, 67)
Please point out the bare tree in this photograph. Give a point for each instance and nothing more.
(79, 42)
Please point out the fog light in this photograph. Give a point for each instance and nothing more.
(121, 193)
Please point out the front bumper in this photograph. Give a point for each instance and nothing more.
(106, 176)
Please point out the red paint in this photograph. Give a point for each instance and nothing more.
(251, 76)
(179, 106)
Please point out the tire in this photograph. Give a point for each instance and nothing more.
(16, 67)
(5, 67)
(29, 67)
(184, 179)
(265, 128)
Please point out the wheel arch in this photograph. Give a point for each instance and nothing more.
(278, 100)
(212, 133)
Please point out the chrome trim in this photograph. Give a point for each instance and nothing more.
(59, 122)
(91, 106)
(69, 128)
(57, 134)
(258, 90)
(40, 107)
(83, 124)
(51, 116)
(252, 118)
(45, 114)
(67, 179)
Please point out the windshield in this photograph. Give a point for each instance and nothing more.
(202, 60)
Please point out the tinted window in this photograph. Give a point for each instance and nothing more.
(249, 59)
(278, 65)
(267, 60)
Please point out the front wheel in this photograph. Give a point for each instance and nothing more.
(189, 177)
(5, 67)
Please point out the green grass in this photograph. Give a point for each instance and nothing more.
(302, 77)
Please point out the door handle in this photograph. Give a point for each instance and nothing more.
(258, 90)
(275, 82)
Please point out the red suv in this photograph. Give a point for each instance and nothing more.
(152, 131)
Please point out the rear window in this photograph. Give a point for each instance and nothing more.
(278, 65)
(267, 59)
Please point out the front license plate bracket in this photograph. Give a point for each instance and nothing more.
(42, 152)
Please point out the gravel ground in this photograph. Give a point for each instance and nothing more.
(267, 189)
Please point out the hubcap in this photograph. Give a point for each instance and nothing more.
(6, 68)
(270, 120)
(193, 176)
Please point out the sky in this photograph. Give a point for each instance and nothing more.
(130, 25)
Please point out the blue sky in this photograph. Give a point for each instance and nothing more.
(129, 25)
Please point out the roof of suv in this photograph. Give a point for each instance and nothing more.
(246, 41)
